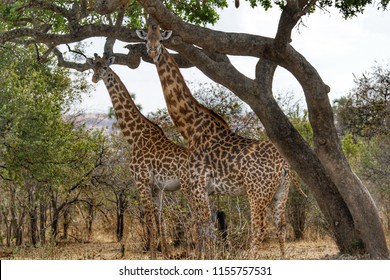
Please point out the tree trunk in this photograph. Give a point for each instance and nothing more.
(42, 222)
(368, 232)
(296, 212)
(13, 223)
(90, 218)
(67, 219)
(121, 206)
(303, 160)
(19, 227)
(54, 218)
(8, 228)
(54, 225)
(33, 215)
(120, 225)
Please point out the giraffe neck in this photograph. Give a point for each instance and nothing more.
(189, 116)
(132, 123)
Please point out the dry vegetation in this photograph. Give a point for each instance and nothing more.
(102, 243)
(103, 246)
(100, 250)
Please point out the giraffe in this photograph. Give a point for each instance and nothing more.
(221, 162)
(156, 163)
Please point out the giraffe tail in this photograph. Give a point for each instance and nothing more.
(293, 179)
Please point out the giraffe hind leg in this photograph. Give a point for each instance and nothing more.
(279, 211)
(259, 227)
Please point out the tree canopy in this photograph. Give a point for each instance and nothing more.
(365, 111)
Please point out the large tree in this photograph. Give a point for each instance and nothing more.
(342, 197)
(45, 158)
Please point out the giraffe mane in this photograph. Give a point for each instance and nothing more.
(216, 116)
(121, 84)
(142, 115)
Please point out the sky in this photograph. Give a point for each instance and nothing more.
(337, 48)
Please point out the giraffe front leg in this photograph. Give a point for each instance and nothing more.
(158, 197)
(205, 230)
(146, 199)
(258, 206)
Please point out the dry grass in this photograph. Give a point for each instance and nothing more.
(103, 246)
(109, 250)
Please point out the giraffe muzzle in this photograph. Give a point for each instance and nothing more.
(153, 53)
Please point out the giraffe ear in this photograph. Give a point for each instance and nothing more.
(111, 60)
(141, 34)
(166, 34)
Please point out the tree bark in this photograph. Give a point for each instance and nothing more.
(54, 218)
(90, 218)
(33, 214)
(297, 208)
(121, 206)
(42, 222)
(66, 224)
(8, 228)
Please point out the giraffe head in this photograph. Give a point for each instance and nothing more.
(154, 39)
(100, 66)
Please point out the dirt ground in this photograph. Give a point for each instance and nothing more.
(300, 250)
(102, 247)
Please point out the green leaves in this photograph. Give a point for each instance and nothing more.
(365, 111)
(35, 138)
(351, 8)
(198, 12)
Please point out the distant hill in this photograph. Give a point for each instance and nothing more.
(96, 121)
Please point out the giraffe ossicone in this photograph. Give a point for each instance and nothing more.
(154, 52)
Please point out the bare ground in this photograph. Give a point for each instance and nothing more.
(101, 250)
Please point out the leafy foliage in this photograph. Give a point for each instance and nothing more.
(34, 98)
(349, 8)
(57, 15)
(194, 11)
(365, 111)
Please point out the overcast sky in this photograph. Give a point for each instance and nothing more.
(337, 48)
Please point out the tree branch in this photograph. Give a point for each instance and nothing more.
(67, 64)
(216, 66)
(71, 15)
(109, 46)
(83, 32)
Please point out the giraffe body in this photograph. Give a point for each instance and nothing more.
(221, 162)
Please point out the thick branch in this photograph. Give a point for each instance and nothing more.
(68, 64)
(109, 46)
(208, 39)
(83, 32)
(218, 67)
